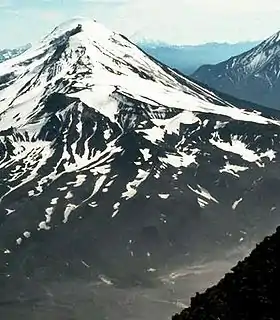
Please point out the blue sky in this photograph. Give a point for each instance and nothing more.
(172, 21)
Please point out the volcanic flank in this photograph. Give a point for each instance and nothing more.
(115, 167)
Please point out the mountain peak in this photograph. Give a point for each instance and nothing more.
(86, 26)
(89, 57)
(253, 75)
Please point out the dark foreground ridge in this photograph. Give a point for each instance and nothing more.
(250, 291)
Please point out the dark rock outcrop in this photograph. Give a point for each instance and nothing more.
(250, 291)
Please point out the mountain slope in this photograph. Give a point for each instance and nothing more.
(248, 292)
(6, 54)
(108, 159)
(188, 58)
(253, 75)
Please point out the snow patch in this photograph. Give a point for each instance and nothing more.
(9, 211)
(154, 134)
(146, 154)
(181, 159)
(116, 206)
(48, 215)
(233, 169)
(43, 226)
(172, 125)
(240, 148)
(62, 188)
(68, 210)
(69, 195)
(81, 178)
(164, 195)
(202, 202)
(31, 193)
(27, 234)
(236, 203)
(54, 201)
(106, 280)
(132, 186)
(93, 204)
(204, 196)
(115, 213)
(19, 241)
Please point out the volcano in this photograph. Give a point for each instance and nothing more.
(116, 169)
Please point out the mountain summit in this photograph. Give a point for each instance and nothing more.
(116, 168)
(253, 75)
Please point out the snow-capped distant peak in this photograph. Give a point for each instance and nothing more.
(253, 75)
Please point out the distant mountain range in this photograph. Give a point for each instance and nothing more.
(187, 58)
(6, 54)
(253, 75)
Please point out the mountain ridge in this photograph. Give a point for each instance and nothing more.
(252, 75)
(188, 58)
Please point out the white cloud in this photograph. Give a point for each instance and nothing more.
(5, 3)
(106, 2)
(174, 21)
(194, 21)
(50, 15)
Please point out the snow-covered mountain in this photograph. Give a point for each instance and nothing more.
(253, 75)
(6, 54)
(116, 168)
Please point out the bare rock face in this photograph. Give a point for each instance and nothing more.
(250, 291)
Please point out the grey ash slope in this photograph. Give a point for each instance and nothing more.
(252, 75)
(111, 159)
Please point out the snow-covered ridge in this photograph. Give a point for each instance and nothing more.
(258, 57)
(252, 76)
